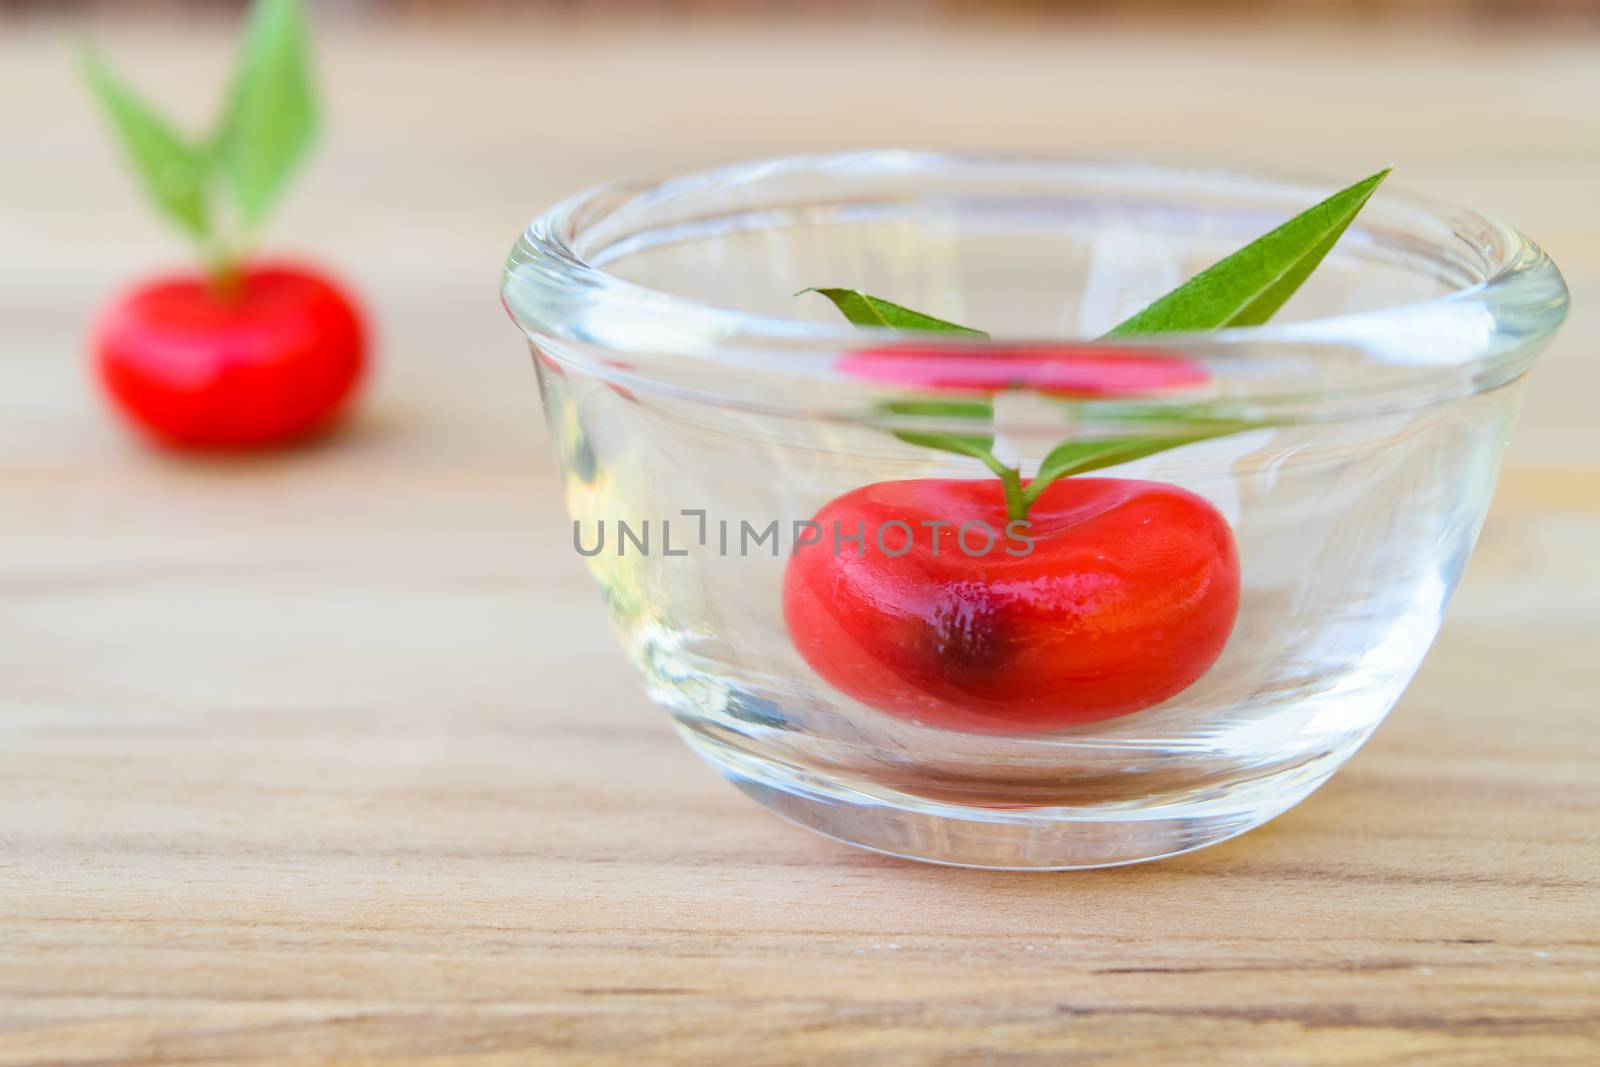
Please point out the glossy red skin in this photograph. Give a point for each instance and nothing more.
(1074, 370)
(1128, 597)
(276, 365)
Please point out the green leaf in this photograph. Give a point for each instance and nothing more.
(1080, 457)
(865, 310)
(1075, 457)
(935, 408)
(1246, 288)
(976, 445)
(172, 171)
(272, 112)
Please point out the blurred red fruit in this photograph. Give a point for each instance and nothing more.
(274, 362)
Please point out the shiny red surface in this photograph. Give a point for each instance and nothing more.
(276, 364)
(1072, 371)
(1127, 597)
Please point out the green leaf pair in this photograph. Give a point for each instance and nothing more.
(1245, 289)
(263, 134)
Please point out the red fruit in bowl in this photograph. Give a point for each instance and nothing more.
(1126, 596)
(273, 362)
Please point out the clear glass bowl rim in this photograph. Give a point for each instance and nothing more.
(551, 291)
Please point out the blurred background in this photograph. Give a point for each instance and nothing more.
(302, 688)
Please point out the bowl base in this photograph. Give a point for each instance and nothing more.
(1013, 838)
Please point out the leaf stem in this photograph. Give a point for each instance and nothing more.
(224, 271)
(1031, 493)
(1017, 502)
(1011, 482)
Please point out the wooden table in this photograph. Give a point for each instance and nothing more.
(329, 757)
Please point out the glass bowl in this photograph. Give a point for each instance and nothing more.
(1121, 694)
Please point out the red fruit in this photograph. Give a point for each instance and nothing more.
(1126, 598)
(1070, 371)
(275, 363)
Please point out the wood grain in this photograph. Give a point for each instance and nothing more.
(329, 758)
